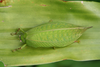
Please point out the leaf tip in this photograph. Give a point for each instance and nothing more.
(89, 27)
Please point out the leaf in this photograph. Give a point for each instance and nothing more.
(26, 14)
(1, 64)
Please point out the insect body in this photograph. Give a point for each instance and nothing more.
(52, 34)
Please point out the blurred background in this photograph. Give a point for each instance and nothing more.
(83, 0)
(68, 63)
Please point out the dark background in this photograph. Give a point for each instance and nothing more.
(70, 63)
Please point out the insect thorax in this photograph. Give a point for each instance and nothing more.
(23, 38)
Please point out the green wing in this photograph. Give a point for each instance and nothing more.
(54, 35)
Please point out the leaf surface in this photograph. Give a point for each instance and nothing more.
(26, 14)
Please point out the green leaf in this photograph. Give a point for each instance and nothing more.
(1, 64)
(26, 14)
